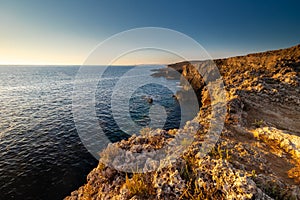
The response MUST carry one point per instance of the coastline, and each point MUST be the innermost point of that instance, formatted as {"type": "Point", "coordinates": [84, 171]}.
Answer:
{"type": "Point", "coordinates": [257, 155]}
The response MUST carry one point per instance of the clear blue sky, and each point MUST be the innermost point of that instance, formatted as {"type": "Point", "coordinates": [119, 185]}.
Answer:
{"type": "Point", "coordinates": [65, 31]}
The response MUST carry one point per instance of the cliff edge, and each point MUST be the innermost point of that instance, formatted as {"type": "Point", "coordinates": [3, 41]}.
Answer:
{"type": "Point", "coordinates": [256, 157]}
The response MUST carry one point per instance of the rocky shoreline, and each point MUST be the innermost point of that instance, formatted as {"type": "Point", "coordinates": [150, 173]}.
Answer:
{"type": "Point", "coordinates": [256, 157]}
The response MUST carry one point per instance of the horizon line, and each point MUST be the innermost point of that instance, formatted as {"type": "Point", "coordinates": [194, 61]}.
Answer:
{"type": "Point", "coordinates": [215, 58]}
{"type": "Point", "coordinates": [93, 65]}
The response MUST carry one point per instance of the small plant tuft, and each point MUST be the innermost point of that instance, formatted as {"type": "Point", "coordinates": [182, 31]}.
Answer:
{"type": "Point", "coordinates": [140, 184]}
{"type": "Point", "coordinates": [258, 123]}
{"type": "Point", "coordinates": [145, 131]}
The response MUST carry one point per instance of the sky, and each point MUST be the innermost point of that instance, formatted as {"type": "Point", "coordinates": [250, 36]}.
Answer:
{"type": "Point", "coordinates": [64, 32]}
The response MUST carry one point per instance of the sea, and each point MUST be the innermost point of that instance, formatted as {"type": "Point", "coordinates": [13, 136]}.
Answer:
{"type": "Point", "coordinates": [41, 153]}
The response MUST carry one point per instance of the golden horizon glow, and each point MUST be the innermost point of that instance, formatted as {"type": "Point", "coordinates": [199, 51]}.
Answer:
{"type": "Point", "coordinates": [79, 60]}
{"type": "Point", "coordinates": [43, 46]}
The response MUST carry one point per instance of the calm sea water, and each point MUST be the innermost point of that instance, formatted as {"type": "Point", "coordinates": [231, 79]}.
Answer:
{"type": "Point", "coordinates": [42, 156]}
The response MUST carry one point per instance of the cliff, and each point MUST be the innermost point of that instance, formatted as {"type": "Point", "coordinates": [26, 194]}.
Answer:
{"type": "Point", "coordinates": [256, 157]}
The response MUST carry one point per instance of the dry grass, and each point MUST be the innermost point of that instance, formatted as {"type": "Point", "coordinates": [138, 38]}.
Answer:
{"type": "Point", "coordinates": [219, 152]}
{"type": "Point", "coordinates": [140, 184]}
{"type": "Point", "coordinates": [189, 174]}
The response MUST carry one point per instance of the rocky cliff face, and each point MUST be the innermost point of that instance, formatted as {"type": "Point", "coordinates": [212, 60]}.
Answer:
{"type": "Point", "coordinates": [256, 157]}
